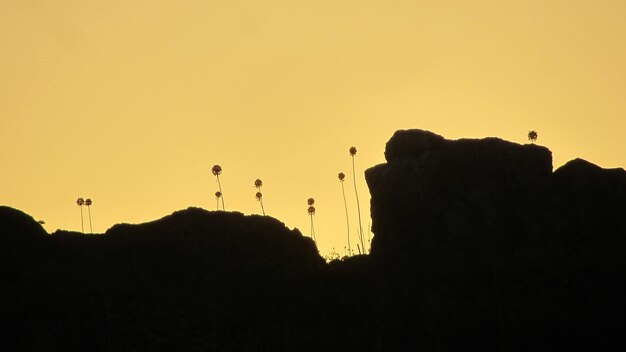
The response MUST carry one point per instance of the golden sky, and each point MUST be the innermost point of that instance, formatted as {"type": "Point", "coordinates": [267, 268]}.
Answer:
{"type": "Point", "coordinates": [130, 103]}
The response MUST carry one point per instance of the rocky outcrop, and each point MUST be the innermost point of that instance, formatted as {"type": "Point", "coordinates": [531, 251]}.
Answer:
{"type": "Point", "coordinates": [434, 192]}
{"type": "Point", "coordinates": [227, 238]}
{"type": "Point", "coordinates": [466, 200]}
{"type": "Point", "coordinates": [489, 246]}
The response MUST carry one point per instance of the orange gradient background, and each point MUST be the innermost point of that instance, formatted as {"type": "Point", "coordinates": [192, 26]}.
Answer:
{"type": "Point", "coordinates": [130, 103]}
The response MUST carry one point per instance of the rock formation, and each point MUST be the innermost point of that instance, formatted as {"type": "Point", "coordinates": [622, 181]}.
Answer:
{"type": "Point", "coordinates": [478, 246]}
{"type": "Point", "coordinates": [489, 245]}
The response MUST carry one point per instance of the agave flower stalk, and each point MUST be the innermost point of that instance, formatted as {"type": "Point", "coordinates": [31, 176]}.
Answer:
{"type": "Point", "coordinates": [217, 171]}
{"type": "Point", "coordinates": [88, 203]}
{"type": "Point", "coordinates": [342, 177]}
{"type": "Point", "coordinates": [259, 197]}
{"type": "Point", "coordinates": [80, 202]}
{"type": "Point", "coordinates": [358, 206]}
{"type": "Point", "coordinates": [311, 211]}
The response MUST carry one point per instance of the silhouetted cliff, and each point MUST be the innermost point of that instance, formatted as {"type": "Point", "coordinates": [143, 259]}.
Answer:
{"type": "Point", "coordinates": [477, 245]}
{"type": "Point", "coordinates": [494, 249]}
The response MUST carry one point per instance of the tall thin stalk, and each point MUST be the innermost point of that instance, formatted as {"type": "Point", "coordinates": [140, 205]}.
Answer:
{"type": "Point", "coordinates": [259, 196]}
{"type": "Point", "coordinates": [358, 205]}
{"type": "Point", "coordinates": [88, 203]}
{"type": "Point", "coordinates": [342, 177]}
{"type": "Point", "coordinates": [80, 202]}
{"type": "Point", "coordinates": [217, 170]}
{"type": "Point", "coordinates": [218, 195]}
{"type": "Point", "coordinates": [313, 227]}
{"type": "Point", "coordinates": [220, 187]}
{"type": "Point", "coordinates": [311, 211]}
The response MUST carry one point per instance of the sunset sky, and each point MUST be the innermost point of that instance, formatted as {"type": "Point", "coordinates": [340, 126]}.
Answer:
{"type": "Point", "coordinates": [130, 103]}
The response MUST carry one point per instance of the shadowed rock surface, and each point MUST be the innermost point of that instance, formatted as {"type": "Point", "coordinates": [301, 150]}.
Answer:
{"type": "Point", "coordinates": [478, 246]}
{"type": "Point", "coordinates": [193, 280]}
{"type": "Point", "coordinates": [493, 251]}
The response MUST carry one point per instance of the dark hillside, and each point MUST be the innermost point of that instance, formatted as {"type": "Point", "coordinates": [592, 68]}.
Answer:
{"type": "Point", "coordinates": [192, 280]}
{"type": "Point", "coordinates": [478, 246]}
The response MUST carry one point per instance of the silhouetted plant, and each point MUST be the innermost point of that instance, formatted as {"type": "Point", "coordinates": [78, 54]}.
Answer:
{"type": "Point", "coordinates": [217, 171]}
{"type": "Point", "coordinates": [311, 211]}
{"type": "Point", "coordinates": [88, 203]}
{"type": "Point", "coordinates": [218, 195]}
{"type": "Point", "coordinates": [532, 136]}
{"type": "Point", "coordinates": [358, 205]}
{"type": "Point", "coordinates": [259, 197]}
{"type": "Point", "coordinates": [332, 256]}
{"type": "Point", "coordinates": [342, 177]}
{"type": "Point", "coordinates": [80, 202]}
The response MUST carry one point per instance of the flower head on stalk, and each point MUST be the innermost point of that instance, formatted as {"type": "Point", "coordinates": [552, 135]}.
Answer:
{"type": "Point", "coordinates": [88, 203]}
{"type": "Point", "coordinates": [342, 178]}
{"type": "Point", "coordinates": [217, 171]}
{"type": "Point", "coordinates": [80, 202]}
{"type": "Point", "coordinates": [356, 193]}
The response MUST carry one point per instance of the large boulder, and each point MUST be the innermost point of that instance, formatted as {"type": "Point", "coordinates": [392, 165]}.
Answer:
{"type": "Point", "coordinates": [434, 192]}
{"type": "Point", "coordinates": [494, 251]}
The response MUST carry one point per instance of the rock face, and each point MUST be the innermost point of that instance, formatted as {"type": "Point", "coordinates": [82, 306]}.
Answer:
{"type": "Point", "coordinates": [434, 195]}
{"type": "Point", "coordinates": [433, 190]}
{"type": "Point", "coordinates": [483, 236]}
